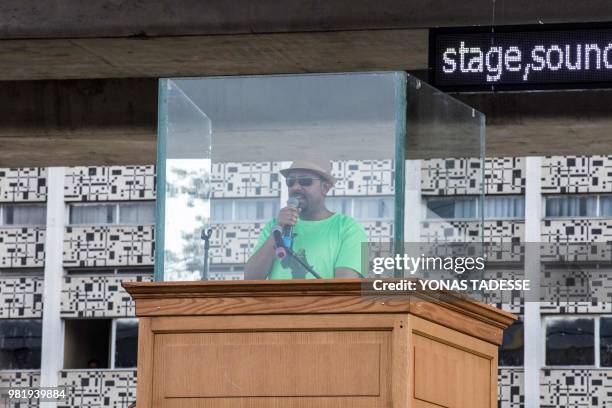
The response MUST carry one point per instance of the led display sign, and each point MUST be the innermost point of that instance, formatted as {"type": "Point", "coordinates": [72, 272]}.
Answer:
{"type": "Point", "coordinates": [521, 57]}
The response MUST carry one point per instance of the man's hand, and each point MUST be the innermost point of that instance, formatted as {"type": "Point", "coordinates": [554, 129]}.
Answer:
{"type": "Point", "coordinates": [287, 216]}
{"type": "Point", "coordinates": [260, 264]}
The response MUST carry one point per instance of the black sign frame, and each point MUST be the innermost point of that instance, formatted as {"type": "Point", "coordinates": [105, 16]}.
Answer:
{"type": "Point", "coordinates": [433, 57]}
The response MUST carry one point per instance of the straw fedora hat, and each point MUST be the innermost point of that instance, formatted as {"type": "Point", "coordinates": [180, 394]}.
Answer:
{"type": "Point", "coordinates": [320, 167]}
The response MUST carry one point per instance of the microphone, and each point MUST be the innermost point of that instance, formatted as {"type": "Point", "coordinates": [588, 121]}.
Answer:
{"type": "Point", "coordinates": [288, 229]}
{"type": "Point", "coordinates": [279, 246]}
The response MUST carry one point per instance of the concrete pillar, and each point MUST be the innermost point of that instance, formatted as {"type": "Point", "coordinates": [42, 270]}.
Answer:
{"type": "Point", "coordinates": [52, 354]}
{"type": "Point", "coordinates": [533, 359]}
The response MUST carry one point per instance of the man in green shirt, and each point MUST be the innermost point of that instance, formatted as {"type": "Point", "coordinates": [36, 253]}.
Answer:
{"type": "Point", "coordinates": [331, 242]}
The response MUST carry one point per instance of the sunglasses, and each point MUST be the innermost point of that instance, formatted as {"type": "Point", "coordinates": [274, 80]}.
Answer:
{"type": "Point", "coordinates": [302, 181]}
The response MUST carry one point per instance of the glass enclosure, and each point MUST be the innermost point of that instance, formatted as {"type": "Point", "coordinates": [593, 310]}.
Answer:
{"type": "Point", "coordinates": [445, 146]}
{"type": "Point", "coordinates": [184, 184]}
{"type": "Point", "coordinates": [232, 151]}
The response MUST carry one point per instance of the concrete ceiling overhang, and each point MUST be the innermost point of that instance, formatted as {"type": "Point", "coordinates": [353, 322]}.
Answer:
{"type": "Point", "coordinates": [240, 54]}
{"type": "Point", "coordinates": [33, 19]}
{"type": "Point", "coordinates": [72, 39]}
{"type": "Point", "coordinates": [113, 121]}
{"type": "Point", "coordinates": [58, 105]}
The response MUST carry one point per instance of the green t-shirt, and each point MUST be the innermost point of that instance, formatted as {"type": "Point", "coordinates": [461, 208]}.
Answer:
{"type": "Point", "coordinates": [334, 242]}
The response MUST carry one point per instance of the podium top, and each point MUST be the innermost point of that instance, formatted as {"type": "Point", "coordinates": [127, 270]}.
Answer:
{"type": "Point", "coordinates": [306, 296]}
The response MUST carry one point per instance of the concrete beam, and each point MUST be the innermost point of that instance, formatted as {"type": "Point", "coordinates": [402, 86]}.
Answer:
{"type": "Point", "coordinates": [247, 54]}
{"type": "Point", "coordinates": [70, 39]}
{"type": "Point", "coordinates": [43, 107]}
{"type": "Point", "coordinates": [113, 121]}
{"type": "Point", "coordinates": [57, 123]}
{"type": "Point", "coordinates": [21, 19]}
{"type": "Point", "coordinates": [545, 123]}
{"type": "Point", "coordinates": [89, 122]}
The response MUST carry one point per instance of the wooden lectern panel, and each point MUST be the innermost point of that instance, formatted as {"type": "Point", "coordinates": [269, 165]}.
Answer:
{"type": "Point", "coordinates": [319, 344]}
{"type": "Point", "coordinates": [290, 364]}
{"type": "Point", "coordinates": [339, 361]}
{"type": "Point", "coordinates": [451, 370]}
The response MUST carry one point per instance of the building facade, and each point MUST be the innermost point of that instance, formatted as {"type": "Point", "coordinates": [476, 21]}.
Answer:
{"type": "Point", "coordinates": [105, 218]}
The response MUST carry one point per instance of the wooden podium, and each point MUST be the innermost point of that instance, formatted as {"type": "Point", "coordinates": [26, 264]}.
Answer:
{"type": "Point", "coordinates": [307, 343]}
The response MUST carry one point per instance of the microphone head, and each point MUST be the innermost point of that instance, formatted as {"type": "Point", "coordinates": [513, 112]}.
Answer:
{"type": "Point", "coordinates": [293, 202]}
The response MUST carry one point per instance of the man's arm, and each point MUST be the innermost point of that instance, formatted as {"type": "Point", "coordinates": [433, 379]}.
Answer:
{"type": "Point", "coordinates": [260, 264]}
